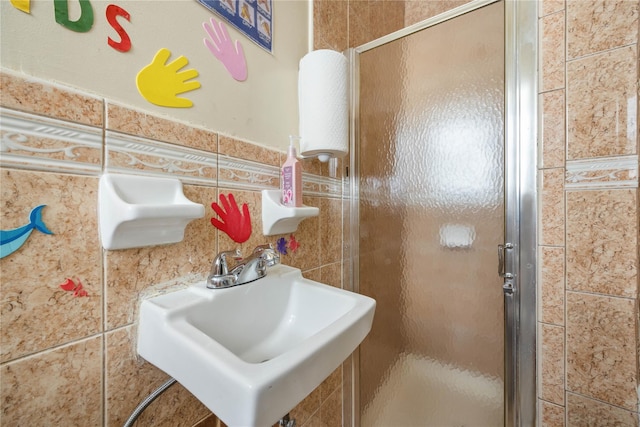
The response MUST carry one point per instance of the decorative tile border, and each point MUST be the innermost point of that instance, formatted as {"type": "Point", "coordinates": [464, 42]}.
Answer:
{"type": "Point", "coordinates": [248, 175]}
{"type": "Point", "coordinates": [39, 143]}
{"type": "Point", "coordinates": [127, 154]}
{"type": "Point", "coordinates": [605, 172]}
{"type": "Point", "coordinates": [245, 174]}
{"type": "Point", "coordinates": [322, 186]}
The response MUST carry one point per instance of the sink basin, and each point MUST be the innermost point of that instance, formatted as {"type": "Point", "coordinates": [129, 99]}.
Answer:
{"type": "Point", "coordinates": [252, 352]}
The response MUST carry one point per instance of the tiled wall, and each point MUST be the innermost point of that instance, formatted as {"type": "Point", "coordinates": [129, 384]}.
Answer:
{"type": "Point", "coordinates": [588, 233]}
{"type": "Point", "coordinates": [71, 360]}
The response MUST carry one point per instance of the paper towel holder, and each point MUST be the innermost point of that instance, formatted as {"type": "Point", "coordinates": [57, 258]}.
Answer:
{"type": "Point", "coordinates": [323, 103]}
{"type": "Point", "coordinates": [324, 157]}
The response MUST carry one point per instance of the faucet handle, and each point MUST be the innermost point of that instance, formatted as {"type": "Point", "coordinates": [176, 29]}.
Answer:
{"type": "Point", "coordinates": [268, 254]}
{"type": "Point", "coordinates": [220, 266]}
{"type": "Point", "coordinates": [261, 248]}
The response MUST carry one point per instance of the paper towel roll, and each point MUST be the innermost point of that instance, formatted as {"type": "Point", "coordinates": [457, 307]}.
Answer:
{"type": "Point", "coordinates": [324, 105]}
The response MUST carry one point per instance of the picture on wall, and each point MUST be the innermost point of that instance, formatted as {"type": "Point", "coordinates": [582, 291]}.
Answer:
{"type": "Point", "coordinates": [253, 18]}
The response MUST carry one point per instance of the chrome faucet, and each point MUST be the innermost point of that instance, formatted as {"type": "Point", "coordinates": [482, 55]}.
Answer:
{"type": "Point", "coordinates": [245, 270]}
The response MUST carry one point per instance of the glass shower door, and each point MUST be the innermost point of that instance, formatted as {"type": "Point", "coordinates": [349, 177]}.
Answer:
{"type": "Point", "coordinates": [431, 206]}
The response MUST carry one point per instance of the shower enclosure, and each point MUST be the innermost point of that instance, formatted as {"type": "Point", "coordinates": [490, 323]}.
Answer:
{"type": "Point", "coordinates": [443, 220]}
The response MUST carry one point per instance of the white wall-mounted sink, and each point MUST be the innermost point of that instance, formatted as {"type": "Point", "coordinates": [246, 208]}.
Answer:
{"type": "Point", "coordinates": [252, 352]}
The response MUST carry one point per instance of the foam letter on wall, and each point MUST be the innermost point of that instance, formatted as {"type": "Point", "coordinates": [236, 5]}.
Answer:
{"type": "Point", "coordinates": [23, 5]}
{"type": "Point", "coordinates": [113, 11]}
{"type": "Point", "coordinates": [83, 24]}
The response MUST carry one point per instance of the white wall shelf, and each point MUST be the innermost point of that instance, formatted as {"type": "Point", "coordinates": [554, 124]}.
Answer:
{"type": "Point", "coordinates": [279, 219]}
{"type": "Point", "coordinates": [137, 211]}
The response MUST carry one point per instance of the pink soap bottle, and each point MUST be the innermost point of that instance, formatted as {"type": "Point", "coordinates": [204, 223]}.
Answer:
{"type": "Point", "coordinates": [291, 178]}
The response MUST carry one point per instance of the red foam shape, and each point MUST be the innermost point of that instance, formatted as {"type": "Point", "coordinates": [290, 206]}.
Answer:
{"type": "Point", "coordinates": [236, 224]}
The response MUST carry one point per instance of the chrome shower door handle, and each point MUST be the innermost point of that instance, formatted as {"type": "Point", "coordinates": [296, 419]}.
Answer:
{"type": "Point", "coordinates": [502, 249]}
{"type": "Point", "coordinates": [507, 286]}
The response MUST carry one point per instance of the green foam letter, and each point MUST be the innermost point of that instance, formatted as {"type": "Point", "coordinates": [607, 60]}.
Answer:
{"type": "Point", "coordinates": [83, 24]}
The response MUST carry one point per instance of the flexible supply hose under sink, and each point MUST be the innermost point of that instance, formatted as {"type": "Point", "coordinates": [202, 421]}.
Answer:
{"type": "Point", "coordinates": [146, 402]}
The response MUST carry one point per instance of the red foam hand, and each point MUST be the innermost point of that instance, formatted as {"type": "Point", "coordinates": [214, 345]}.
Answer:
{"type": "Point", "coordinates": [236, 224]}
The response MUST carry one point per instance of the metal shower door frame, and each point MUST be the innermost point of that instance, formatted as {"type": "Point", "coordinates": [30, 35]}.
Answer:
{"type": "Point", "coordinates": [521, 35]}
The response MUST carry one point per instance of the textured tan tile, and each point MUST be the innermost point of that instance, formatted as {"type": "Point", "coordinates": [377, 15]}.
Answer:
{"type": "Point", "coordinates": [210, 421]}
{"type": "Point", "coordinates": [132, 122]}
{"type": "Point", "coordinates": [602, 242]}
{"type": "Point", "coordinates": [553, 129]}
{"type": "Point", "coordinates": [551, 52]}
{"type": "Point", "coordinates": [348, 369]}
{"type": "Point", "coordinates": [551, 225]}
{"type": "Point", "coordinates": [129, 380]}
{"type": "Point", "coordinates": [385, 17]}
{"type": "Point", "coordinates": [331, 274]}
{"type": "Point", "coordinates": [601, 348]}
{"type": "Point", "coordinates": [601, 104]}
{"type": "Point", "coordinates": [551, 283]}
{"type": "Point", "coordinates": [584, 412]}
{"type": "Point", "coordinates": [245, 150]}
{"type": "Point", "coordinates": [24, 94]}
{"type": "Point", "coordinates": [394, 15]}
{"type": "Point", "coordinates": [359, 31]}
{"type": "Point", "coordinates": [598, 25]}
{"type": "Point", "coordinates": [62, 387]}
{"type": "Point", "coordinates": [37, 314]}
{"type": "Point", "coordinates": [547, 7]}
{"type": "Point", "coordinates": [419, 10]}
{"type": "Point", "coordinates": [313, 274]}
{"type": "Point", "coordinates": [551, 358]}
{"type": "Point", "coordinates": [129, 271]}
{"type": "Point", "coordinates": [331, 384]}
{"type": "Point", "coordinates": [330, 230]}
{"type": "Point", "coordinates": [377, 24]}
{"type": "Point", "coordinates": [312, 166]}
{"type": "Point", "coordinates": [550, 415]}
{"type": "Point", "coordinates": [331, 410]}
{"type": "Point", "coordinates": [306, 408]}
{"type": "Point", "coordinates": [330, 22]}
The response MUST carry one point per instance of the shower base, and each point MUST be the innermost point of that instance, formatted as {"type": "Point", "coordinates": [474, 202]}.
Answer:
{"type": "Point", "coordinates": [422, 392]}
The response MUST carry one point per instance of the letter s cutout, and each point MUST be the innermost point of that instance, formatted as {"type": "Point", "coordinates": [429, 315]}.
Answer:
{"type": "Point", "coordinates": [113, 11]}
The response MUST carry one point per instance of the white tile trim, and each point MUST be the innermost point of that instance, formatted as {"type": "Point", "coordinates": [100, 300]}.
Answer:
{"type": "Point", "coordinates": [606, 172]}
{"type": "Point", "coordinates": [16, 127]}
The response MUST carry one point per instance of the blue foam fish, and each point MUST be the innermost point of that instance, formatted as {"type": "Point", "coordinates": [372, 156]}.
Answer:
{"type": "Point", "coordinates": [12, 240]}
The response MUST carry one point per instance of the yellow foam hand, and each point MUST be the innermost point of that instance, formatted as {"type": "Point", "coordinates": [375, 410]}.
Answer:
{"type": "Point", "coordinates": [160, 83]}
{"type": "Point", "coordinates": [23, 5]}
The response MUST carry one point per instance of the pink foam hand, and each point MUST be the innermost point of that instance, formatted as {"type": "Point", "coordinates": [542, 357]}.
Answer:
{"type": "Point", "coordinates": [220, 45]}
{"type": "Point", "coordinates": [236, 224]}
